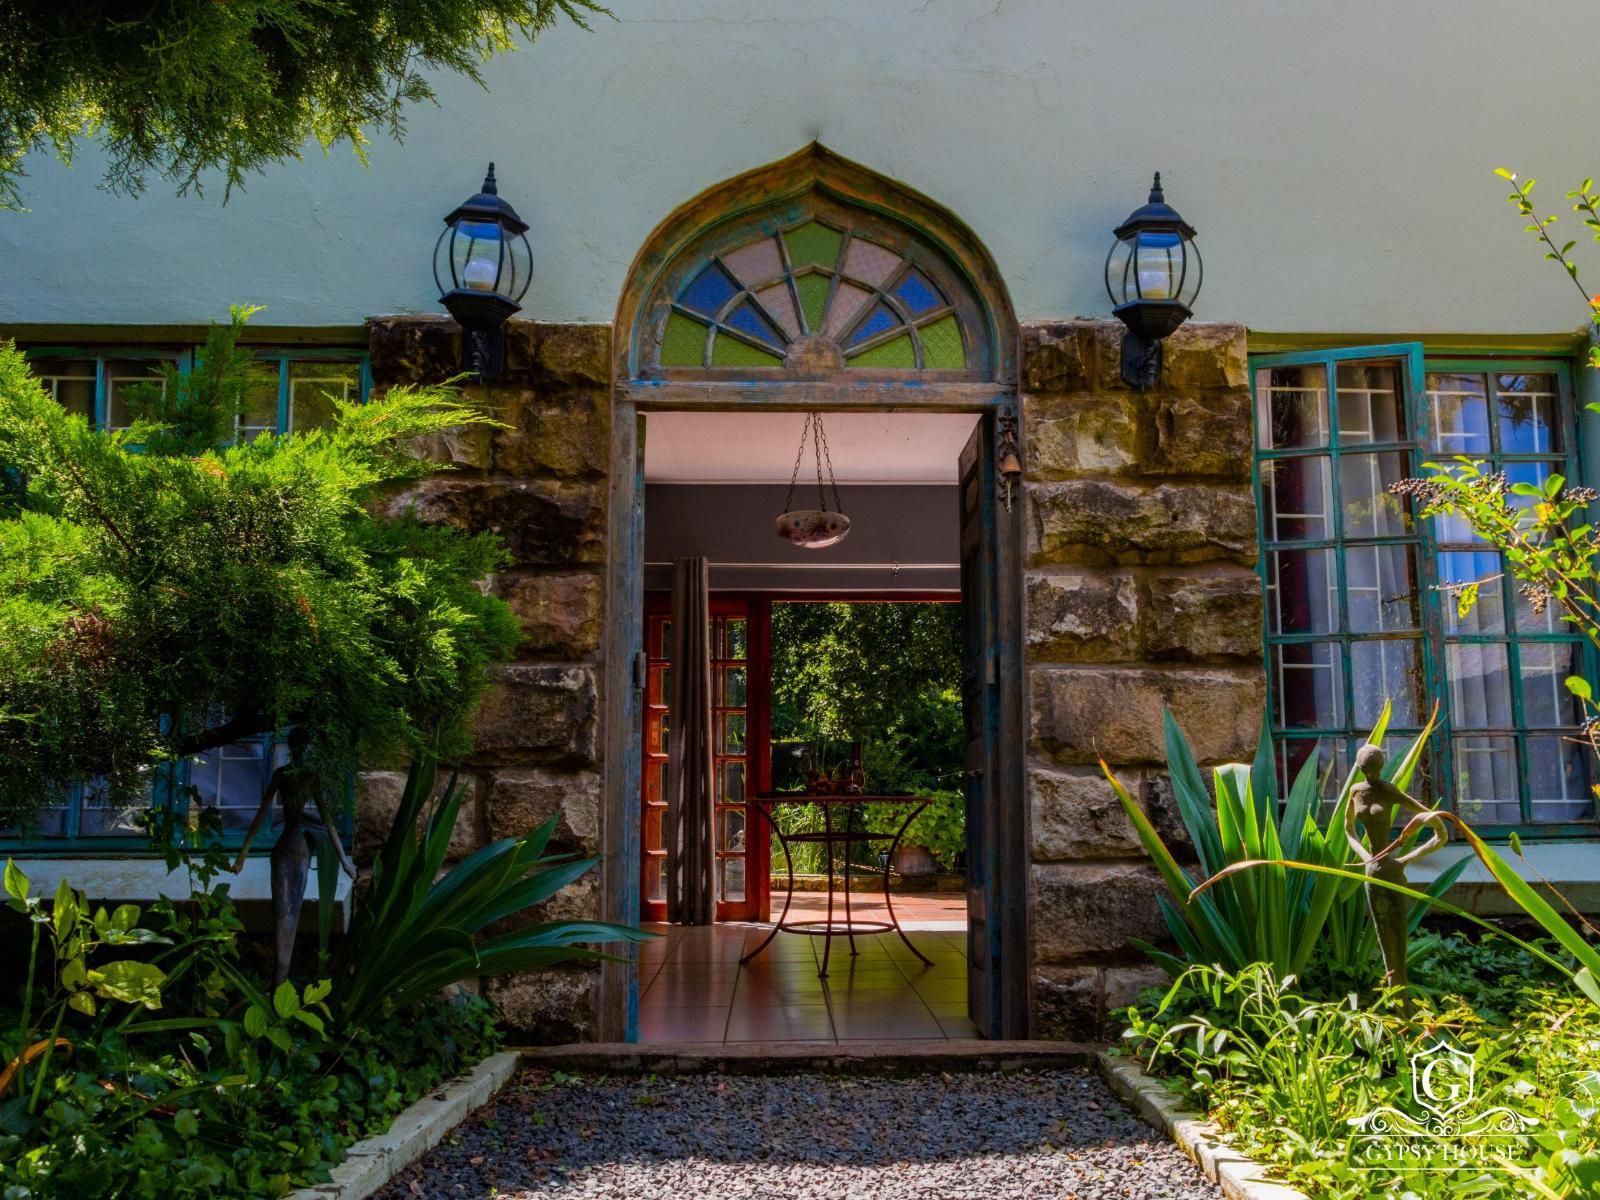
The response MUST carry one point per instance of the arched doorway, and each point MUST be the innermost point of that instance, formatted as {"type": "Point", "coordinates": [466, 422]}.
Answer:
{"type": "Point", "coordinates": [816, 285]}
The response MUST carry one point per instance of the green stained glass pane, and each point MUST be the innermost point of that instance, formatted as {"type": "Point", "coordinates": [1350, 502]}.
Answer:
{"type": "Point", "coordinates": [684, 342]}
{"type": "Point", "coordinates": [730, 352]}
{"type": "Point", "coordinates": [941, 345]}
{"type": "Point", "coordinates": [813, 291]}
{"type": "Point", "coordinates": [897, 353]}
{"type": "Point", "coordinates": [813, 244]}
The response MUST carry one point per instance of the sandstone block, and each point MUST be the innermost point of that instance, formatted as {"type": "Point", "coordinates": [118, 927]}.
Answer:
{"type": "Point", "coordinates": [378, 801]}
{"type": "Point", "coordinates": [1067, 1003]}
{"type": "Point", "coordinates": [1085, 434]}
{"type": "Point", "coordinates": [1058, 356]}
{"type": "Point", "coordinates": [1082, 714]}
{"type": "Point", "coordinates": [1123, 985]}
{"type": "Point", "coordinates": [1076, 815]}
{"type": "Point", "coordinates": [548, 1007]}
{"type": "Point", "coordinates": [1093, 908]}
{"type": "Point", "coordinates": [1098, 521]}
{"type": "Point", "coordinates": [1206, 433]}
{"type": "Point", "coordinates": [519, 801]}
{"type": "Point", "coordinates": [1200, 356]}
{"type": "Point", "coordinates": [542, 714]}
{"type": "Point", "coordinates": [541, 522]}
{"type": "Point", "coordinates": [1215, 613]}
{"type": "Point", "coordinates": [560, 615]}
{"type": "Point", "coordinates": [413, 349]}
{"type": "Point", "coordinates": [554, 432]}
{"type": "Point", "coordinates": [1083, 617]}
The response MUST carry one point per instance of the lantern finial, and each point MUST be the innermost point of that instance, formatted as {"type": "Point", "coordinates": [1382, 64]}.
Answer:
{"type": "Point", "coordinates": [1155, 188]}
{"type": "Point", "coordinates": [490, 189]}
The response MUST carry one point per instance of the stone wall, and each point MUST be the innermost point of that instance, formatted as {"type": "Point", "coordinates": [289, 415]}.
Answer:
{"type": "Point", "coordinates": [1140, 592]}
{"type": "Point", "coordinates": [540, 483]}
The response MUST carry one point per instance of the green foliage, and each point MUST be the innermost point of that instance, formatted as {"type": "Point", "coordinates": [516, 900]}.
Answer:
{"type": "Point", "coordinates": [191, 412]}
{"type": "Point", "coordinates": [156, 605]}
{"type": "Point", "coordinates": [886, 676]}
{"type": "Point", "coordinates": [192, 86]}
{"type": "Point", "coordinates": [414, 930]}
{"type": "Point", "coordinates": [1289, 1072]}
{"type": "Point", "coordinates": [228, 1091]}
{"type": "Point", "coordinates": [1281, 914]}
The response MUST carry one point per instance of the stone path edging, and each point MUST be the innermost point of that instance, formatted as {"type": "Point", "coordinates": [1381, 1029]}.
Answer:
{"type": "Point", "coordinates": [906, 1056]}
{"type": "Point", "coordinates": [1239, 1177]}
{"type": "Point", "coordinates": [374, 1161]}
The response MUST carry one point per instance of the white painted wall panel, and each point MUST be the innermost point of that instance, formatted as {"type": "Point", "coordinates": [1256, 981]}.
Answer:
{"type": "Point", "coordinates": [1335, 157]}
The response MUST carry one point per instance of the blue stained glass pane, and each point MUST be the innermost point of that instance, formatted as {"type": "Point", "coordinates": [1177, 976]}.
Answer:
{"type": "Point", "coordinates": [710, 290]}
{"type": "Point", "coordinates": [917, 294]}
{"type": "Point", "coordinates": [878, 321]}
{"type": "Point", "coordinates": [747, 320]}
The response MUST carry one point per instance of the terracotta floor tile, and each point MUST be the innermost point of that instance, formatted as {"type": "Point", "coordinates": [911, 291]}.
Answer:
{"type": "Point", "coordinates": [796, 1023]}
{"type": "Point", "coordinates": [706, 1024]}
{"type": "Point", "coordinates": [687, 993]}
{"type": "Point", "coordinates": [853, 1027]}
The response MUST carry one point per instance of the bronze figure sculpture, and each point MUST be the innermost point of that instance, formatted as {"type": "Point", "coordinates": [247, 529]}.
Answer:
{"type": "Point", "coordinates": [1373, 801]}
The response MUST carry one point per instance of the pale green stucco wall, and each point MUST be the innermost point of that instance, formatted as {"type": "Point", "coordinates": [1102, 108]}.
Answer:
{"type": "Point", "coordinates": [1335, 156]}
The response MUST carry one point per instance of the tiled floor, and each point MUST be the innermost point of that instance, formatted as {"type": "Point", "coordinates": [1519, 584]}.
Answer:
{"type": "Point", "coordinates": [694, 990]}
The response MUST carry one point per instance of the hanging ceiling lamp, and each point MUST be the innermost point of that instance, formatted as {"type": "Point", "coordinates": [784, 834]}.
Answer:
{"type": "Point", "coordinates": [814, 528]}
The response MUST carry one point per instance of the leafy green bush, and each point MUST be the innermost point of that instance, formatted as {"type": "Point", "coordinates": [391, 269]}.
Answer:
{"type": "Point", "coordinates": [1289, 1073]}
{"type": "Point", "coordinates": [175, 1074]}
{"type": "Point", "coordinates": [1279, 915]}
{"type": "Point", "coordinates": [414, 930]}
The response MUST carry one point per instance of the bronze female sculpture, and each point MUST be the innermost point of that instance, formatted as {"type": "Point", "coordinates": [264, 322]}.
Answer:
{"type": "Point", "coordinates": [1373, 802]}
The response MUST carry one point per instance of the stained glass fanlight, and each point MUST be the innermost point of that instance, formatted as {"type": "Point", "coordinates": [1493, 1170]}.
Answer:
{"type": "Point", "coordinates": [814, 296]}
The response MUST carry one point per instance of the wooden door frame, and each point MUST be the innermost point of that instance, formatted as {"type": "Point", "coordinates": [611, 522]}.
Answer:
{"type": "Point", "coordinates": [624, 643]}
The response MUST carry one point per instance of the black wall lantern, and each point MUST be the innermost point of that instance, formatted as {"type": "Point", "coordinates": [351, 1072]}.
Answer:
{"type": "Point", "coordinates": [1152, 276]}
{"type": "Point", "coordinates": [484, 254]}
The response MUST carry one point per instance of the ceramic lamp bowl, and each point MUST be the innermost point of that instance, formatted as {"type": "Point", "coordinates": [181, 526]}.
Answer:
{"type": "Point", "coordinates": [812, 529]}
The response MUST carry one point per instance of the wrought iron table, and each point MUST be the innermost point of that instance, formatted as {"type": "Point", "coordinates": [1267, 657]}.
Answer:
{"type": "Point", "coordinates": [829, 928]}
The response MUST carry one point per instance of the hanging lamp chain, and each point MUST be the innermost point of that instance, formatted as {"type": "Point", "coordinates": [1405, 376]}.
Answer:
{"type": "Point", "coordinates": [824, 459]}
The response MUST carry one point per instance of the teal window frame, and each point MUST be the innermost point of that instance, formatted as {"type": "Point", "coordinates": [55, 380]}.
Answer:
{"type": "Point", "coordinates": [1416, 365]}
{"type": "Point", "coordinates": [171, 782]}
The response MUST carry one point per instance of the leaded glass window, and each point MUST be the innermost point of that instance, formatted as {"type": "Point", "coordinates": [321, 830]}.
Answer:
{"type": "Point", "coordinates": [823, 291]}
{"type": "Point", "coordinates": [1359, 603]}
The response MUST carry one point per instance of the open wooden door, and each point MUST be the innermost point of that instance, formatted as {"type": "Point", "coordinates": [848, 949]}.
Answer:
{"type": "Point", "coordinates": [996, 859]}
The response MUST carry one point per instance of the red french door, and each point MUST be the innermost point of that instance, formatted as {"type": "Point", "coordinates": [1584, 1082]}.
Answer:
{"type": "Point", "coordinates": [740, 682]}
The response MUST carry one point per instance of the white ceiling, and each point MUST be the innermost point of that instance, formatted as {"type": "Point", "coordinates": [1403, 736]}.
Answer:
{"type": "Point", "coordinates": [717, 447]}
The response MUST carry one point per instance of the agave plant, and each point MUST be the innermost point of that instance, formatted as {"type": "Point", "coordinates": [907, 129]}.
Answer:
{"type": "Point", "coordinates": [416, 931]}
{"type": "Point", "coordinates": [1277, 914]}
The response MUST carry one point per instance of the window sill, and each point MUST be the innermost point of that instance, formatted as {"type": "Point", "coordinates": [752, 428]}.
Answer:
{"type": "Point", "coordinates": [1572, 867]}
{"type": "Point", "coordinates": [143, 880]}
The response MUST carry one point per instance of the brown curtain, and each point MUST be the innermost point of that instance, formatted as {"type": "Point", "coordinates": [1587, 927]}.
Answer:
{"type": "Point", "coordinates": [691, 896]}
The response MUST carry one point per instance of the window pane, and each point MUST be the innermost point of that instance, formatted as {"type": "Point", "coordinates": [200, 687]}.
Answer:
{"type": "Point", "coordinates": [1529, 413]}
{"type": "Point", "coordinates": [731, 830]}
{"type": "Point", "coordinates": [1333, 764]}
{"type": "Point", "coordinates": [1480, 685]}
{"type": "Point", "coordinates": [733, 687]}
{"type": "Point", "coordinates": [70, 381]}
{"type": "Point", "coordinates": [313, 389]}
{"type": "Point", "coordinates": [1302, 591]}
{"type": "Point", "coordinates": [1298, 498]}
{"type": "Point", "coordinates": [1369, 404]}
{"type": "Point", "coordinates": [1292, 403]}
{"type": "Point", "coordinates": [1534, 473]}
{"type": "Point", "coordinates": [1386, 671]}
{"type": "Point", "coordinates": [655, 781]}
{"type": "Point", "coordinates": [1369, 510]}
{"type": "Point", "coordinates": [260, 412]}
{"type": "Point", "coordinates": [654, 815]}
{"type": "Point", "coordinates": [737, 635]}
{"type": "Point", "coordinates": [232, 780]}
{"type": "Point", "coordinates": [1487, 615]}
{"type": "Point", "coordinates": [1458, 410]}
{"type": "Point", "coordinates": [732, 733]}
{"type": "Point", "coordinates": [123, 377]}
{"type": "Point", "coordinates": [1544, 666]}
{"type": "Point", "coordinates": [1310, 686]}
{"type": "Point", "coordinates": [658, 878]}
{"type": "Point", "coordinates": [1486, 780]}
{"type": "Point", "coordinates": [1380, 583]}
{"type": "Point", "coordinates": [732, 783]}
{"type": "Point", "coordinates": [99, 817]}
{"type": "Point", "coordinates": [1558, 778]}
{"type": "Point", "coordinates": [733, 878]}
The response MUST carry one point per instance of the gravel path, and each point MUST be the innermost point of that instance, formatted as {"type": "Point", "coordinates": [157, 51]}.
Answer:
{"type": "Point", "coordinates": [1032, 1134]}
